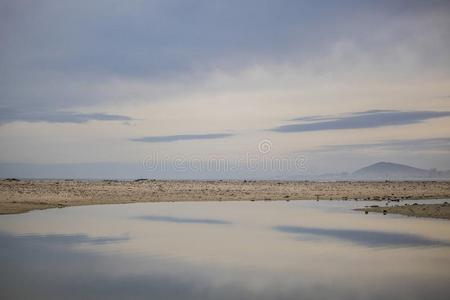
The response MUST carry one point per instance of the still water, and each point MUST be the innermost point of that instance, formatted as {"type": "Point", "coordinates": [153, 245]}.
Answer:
{"type": "Point", "coordinates": [223, 250]}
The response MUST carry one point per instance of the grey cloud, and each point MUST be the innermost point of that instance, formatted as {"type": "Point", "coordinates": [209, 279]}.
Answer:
{"type": "Point", "coordinates": [314, 118]}
{"type": "Point", "coordinates": [7, 115]}
{"type": "Point", "coordinates": [53, 51]}
{"type": "Point", "coordinates": [412, 145]}
{"type": "Point", "coordinates": [335, 117]}
{"type": "Point", "coordinates": [374, 111]}
{"type": "Point", "coordinates": [181, 137]}
{"type": "Point", "coordinates": [367, 119]}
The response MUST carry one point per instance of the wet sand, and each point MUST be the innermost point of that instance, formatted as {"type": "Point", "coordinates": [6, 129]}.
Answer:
{"type": "Point", "coordinates": [25, 195]}
{"type": "Point", "coordinates": [441, 211]}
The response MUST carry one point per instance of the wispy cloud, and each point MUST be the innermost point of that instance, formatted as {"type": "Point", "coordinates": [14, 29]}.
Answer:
{"type": "Point", "coordinates": [181, 137]}
{"type": "Point", "coordinates": [358, 120]}
{"type": "Point", "coordinates": [7, 116]}
{"type": "Point", "coordinates": [432, 144]}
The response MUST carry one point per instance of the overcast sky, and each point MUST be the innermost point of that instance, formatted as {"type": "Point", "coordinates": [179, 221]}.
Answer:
{"type": "Point", "coordinates": [117, 84]}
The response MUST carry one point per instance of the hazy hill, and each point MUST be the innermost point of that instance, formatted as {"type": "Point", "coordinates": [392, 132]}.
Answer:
{"type": "Point", "coordinates": [388, 170]}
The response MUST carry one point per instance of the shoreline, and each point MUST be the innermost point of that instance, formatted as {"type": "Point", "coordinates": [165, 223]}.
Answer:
{"type": "Point", "coordinates": [439, 211]}
{"type": "Point", "coordinates": [19, 196]}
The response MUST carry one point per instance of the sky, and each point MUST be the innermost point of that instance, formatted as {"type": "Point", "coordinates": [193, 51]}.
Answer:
{"type": "Point", "coordinates": [222, 89]}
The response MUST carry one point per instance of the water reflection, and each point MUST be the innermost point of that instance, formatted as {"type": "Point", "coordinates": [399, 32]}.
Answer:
{"type": "Point", "coordinates": [69, 239]}
{"type": "Point", "coordinates": [36, 269]}
{"type": "Point", "coordinates": [184, 251]}
{"type": "Point", "coordinates": [182, 220]}
{"type": "Point", "coordinates": [363, 237]}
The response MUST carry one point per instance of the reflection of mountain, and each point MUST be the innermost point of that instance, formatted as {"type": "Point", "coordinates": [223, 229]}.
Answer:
{"type": "Point", "coordinates": [387, 170]}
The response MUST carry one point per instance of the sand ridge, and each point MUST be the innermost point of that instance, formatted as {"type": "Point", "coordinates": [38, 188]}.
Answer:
{"type": "Point", "coordinates": [18, 196]}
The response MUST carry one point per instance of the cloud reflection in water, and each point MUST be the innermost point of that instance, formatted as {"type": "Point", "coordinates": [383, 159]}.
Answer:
{"type": "Point", "coordinates": [367, 238]}
{"type": "Point", "coordinates": [155, 218]}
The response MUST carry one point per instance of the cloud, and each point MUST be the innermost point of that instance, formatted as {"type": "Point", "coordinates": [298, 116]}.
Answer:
{"type": "Point", "coordinates": [430, 144]}
{"type": "Point", "coordinates": [55, 53]}
{"type": "Point", "coordinates": [366, 119]}
{"type": "Point", "coordinates": [334, 117]}
{"type": "Point", "coordinates": [181, 137]}
{"type": "Point", "coordinates": [7, 116]}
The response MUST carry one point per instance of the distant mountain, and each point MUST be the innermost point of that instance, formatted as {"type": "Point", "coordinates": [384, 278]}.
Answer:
{"type": "Point", "coordinates": [385, 171]}
{"type": "Point", "coordinates": [388, 170]}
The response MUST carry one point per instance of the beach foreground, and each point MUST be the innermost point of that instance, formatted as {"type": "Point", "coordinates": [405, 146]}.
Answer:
{"type": "Point", "coordinates": [18, 196]}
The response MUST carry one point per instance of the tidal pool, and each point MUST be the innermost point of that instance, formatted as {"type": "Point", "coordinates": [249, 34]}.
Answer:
{"type": "Point", "coordinates": [223, 250]}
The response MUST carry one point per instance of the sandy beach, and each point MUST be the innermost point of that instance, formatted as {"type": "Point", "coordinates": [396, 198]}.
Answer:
{"type": "Point", "coordinates": [18, 196]}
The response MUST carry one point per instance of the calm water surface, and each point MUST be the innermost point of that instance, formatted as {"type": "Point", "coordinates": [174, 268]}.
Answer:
{"type": "Point", "coordinates": [223, 250]}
